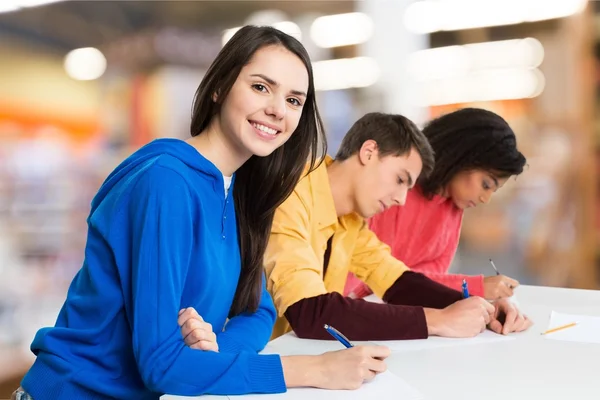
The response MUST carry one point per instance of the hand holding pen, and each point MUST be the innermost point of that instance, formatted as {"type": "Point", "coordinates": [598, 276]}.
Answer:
{"type": "Point", "coordinates": [372, 356]}
{"type": "Point", "coordinates": [466, 318]}
{"type": "Point", "coordinates": [498, 286]}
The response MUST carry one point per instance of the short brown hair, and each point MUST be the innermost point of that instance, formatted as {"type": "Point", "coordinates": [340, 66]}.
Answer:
{"type": "Point", "coordinates": [394, 134]}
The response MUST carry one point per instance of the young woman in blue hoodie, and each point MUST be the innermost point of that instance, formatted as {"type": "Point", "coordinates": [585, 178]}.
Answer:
{"type": "Point", "coordinates": [184, 224]}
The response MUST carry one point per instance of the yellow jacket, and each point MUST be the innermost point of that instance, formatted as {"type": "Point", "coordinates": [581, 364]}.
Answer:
{"type": "Point", "coordinates": [294, 257]}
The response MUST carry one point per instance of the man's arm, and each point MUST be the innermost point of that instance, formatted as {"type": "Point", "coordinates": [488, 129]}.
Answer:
{"type": "Point", "coordinates": [414, 289]}
{"type": "Point", "coordinates": [293, 270]}
{"type": "Point", "coordinates": [295, 279]}
{"type": "Point", "coordinates": [454, 281]}
{"type": "Point", "coordinates": [391, 280]}
{"type": "Point", "coordinates": [357, 319]}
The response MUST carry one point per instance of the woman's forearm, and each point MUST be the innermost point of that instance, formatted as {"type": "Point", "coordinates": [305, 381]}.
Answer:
{"type": "Point", "coordinates": [299, 371]}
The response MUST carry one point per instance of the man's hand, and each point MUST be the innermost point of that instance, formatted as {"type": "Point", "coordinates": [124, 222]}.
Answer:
{"type": "Point", "coordinates": [465, 318]}
{"type": "Point", "coordinates": [507, 318]}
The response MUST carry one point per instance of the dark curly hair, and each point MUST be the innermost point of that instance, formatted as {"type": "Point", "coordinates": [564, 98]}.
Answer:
{"type": "Point", "coordinates": [468, 139]}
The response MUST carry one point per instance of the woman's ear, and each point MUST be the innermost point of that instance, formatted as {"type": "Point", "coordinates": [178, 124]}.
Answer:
{"type": "Point", "coordinates": [215, 96]}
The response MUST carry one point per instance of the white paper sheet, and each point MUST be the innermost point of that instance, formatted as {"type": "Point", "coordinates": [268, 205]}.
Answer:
{"type": "Point", "coordinates": [587, 329]}
{"type": "Point", "coordinates": [385, 386]}
{"type": "Point", "coordinates": [436, 342]}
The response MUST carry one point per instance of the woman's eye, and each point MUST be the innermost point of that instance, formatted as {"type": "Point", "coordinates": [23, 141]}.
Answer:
{"type": "Point", "coordinates": [259, 87]}
{"type": "Point", "coordinates": [486, 186]}
{"type": "Point", "coordinates": [400, 181]}
{"type": "Point", "coordinates": [295, 102]}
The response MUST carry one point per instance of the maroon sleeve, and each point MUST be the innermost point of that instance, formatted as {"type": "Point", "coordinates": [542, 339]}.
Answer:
{"type": "Point", "coordinates": [356, 319]}
{"type": "Point", "coordinates": [414, 289]}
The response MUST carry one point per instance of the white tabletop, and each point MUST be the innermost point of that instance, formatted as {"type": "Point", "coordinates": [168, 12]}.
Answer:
{"type": "Point", "coordinates": [529, 367]}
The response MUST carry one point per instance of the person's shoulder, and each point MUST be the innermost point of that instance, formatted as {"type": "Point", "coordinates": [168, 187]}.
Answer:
{"type": "Point", "coordinates": [416, 194]}
{"type": "Point", "coordinates": [388, 213]}
{"type": "Point", "coordinates": [165, 173]}
{"type": "Point", "coordinates": [304, 186]}
{"type": "Point", "coordinates": [309, 181]}
{"type": "Point", "coordinates": [314, 176]}
{"type": "Point", "coordinates": [170, 165]}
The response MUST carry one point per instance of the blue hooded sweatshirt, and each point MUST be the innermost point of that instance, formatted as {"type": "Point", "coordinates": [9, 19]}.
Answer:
{"type": "Point", "coordinates": [162, 236]}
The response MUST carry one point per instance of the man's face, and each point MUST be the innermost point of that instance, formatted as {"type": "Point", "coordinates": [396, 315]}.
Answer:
{"type": "Point", "coordinates": [384, 181]}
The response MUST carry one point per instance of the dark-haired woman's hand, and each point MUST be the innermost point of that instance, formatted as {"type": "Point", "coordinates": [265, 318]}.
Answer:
{"type": "Point", "coordinates": [196, 332]}
{"type": "Point", "coordinates": [498, 286]}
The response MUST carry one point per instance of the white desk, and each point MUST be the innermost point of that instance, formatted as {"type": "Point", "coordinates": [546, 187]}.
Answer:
{"type": "Point", "coordinates": [530, 367]}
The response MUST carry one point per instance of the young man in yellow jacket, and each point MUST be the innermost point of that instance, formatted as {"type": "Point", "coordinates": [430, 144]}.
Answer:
{"type": "Point", "coordinates": [319, 234]}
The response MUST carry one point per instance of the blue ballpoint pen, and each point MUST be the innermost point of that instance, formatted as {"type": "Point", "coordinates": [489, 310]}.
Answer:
{"type": "Point", "coordinates": [465, 289]}
{"type": "Point", "coordinates": [338, 336]}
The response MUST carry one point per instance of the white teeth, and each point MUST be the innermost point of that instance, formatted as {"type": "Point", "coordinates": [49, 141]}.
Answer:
{"type": "Point", "coordinates": [265, 129]}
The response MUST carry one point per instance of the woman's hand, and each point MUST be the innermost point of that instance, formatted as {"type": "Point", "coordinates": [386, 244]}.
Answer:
{"type": "Point", "coordinates": [196, 332]}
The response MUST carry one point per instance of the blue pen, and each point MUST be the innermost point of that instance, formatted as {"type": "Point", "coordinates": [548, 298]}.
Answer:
{"type": "Point", "coordinates": [338, 336]}
{"type": "Point", "coordinates": [465, 289]}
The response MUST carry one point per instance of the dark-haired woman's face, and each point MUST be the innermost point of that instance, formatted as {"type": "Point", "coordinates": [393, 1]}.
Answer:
{"type": "Point", "coordinates": [264, 105]}
{"type": "Point", "coordinates": [470, 188]}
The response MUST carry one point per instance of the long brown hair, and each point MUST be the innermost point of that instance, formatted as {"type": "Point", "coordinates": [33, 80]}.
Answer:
{"type": "Point", "coordinates": [261, 183]}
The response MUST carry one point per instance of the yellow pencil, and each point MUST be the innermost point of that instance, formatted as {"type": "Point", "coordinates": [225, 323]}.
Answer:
{"type": "Point", "coordinates": [559, 328]}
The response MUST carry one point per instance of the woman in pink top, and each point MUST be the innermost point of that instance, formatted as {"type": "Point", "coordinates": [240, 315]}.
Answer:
{"type": "Point", "coordinates": [476, 153]}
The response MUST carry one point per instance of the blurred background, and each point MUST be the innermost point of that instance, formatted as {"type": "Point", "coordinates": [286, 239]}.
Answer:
{"type": "Point", "coordinates": [85, 83]}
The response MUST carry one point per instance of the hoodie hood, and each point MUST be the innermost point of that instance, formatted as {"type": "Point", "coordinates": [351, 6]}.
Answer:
{"type": "Point", "coordinates": [176, 148]}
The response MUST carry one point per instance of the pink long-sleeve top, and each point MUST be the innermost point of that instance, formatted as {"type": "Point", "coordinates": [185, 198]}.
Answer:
{"type": "Point", "coordinates": [424, 235]}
